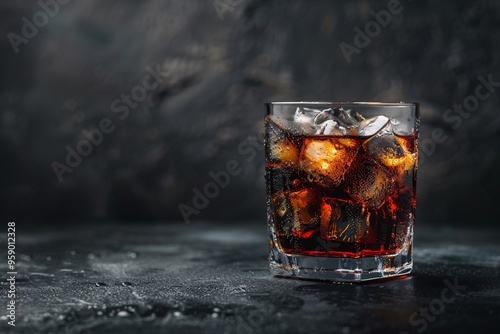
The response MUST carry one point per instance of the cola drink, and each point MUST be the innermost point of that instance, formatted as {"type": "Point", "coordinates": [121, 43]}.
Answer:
{"type": "Point", "coordinates": [340, 185]}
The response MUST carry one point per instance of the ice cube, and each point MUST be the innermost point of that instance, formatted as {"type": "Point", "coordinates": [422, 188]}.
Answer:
{"type": "Point", "coordinates": [371, 126]}
{"type": "Point", "coordinates": [315, 121]}
{"type": "Point", "coordinates": [283, 213]}
{"type": "Point", "coordinates": [305, 115]}
{"type": "Point", "coordinates": [281, 179]}
{"type": "Point", "coordinates": [349, 117]}
{"type": "Point", "coordinates": [368, 182]}
{"type": "Point", "coordinates": [280, 147]}
{"type": "Point", "coordinates": [330, 121]}
{"type": "Point", "coordinates": [346, 221]}
{"type": "Point", "coordinates": [403, 127]}
{"type": "Point", "coordinates": [324, 115]}
{"type": "Point", "coordinates": [327, 159]}
{"type": "Point", "coordinates": [297, 211]}
{"type": "Point", "coordinates": [390, 151]}
{"type": "Point", "coordinates": [300, 127]}
{"type": "Point", "coordinates": [331, 128]}
{"type": "Point", "coordinates": [305, 204]}
{"type": "Point", "coordinates": [337, 122]}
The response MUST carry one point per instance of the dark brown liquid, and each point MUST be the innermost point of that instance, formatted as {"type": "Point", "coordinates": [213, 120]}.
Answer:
{"type": "Point", "coordinates": [340, 196]}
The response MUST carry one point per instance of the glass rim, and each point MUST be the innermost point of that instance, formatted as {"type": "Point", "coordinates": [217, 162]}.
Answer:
{"type": "Point", "coordinates": [374, 103]}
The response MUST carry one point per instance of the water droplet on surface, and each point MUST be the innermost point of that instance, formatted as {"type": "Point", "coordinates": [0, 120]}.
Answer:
{"type": "Point", "coordinates": [41, 274]}
{"type": "Point", "coordinates": [177, 314]}
{"type": "Point", "coordinates": [122, 314]}
{"type": "Point", "coordinates": [127, 284]}
{"type": "Point", "coordinates": [100, 284]}
{"type": "Point", "coordinates": [133, 255]}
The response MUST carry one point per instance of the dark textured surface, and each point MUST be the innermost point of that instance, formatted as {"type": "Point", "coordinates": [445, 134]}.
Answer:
{"type": "Point", "coordinates": [220, 72]}
{"type": "Point", "coordinates": [212, 278]}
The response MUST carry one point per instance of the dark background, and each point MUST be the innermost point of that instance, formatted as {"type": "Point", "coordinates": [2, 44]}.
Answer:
{"type": "Point", "coordinates": [221, 71]}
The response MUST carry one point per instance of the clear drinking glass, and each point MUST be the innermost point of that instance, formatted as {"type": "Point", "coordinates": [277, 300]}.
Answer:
{"type": "Point", "coordinates": [341, 188]}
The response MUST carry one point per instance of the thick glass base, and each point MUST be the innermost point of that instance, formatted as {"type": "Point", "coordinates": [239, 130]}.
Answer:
{"type": "Point", "coordinates": [341, 268]}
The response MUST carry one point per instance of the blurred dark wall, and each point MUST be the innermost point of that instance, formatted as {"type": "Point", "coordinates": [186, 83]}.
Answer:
{"type": "Point", "coordinates": [222, 64]}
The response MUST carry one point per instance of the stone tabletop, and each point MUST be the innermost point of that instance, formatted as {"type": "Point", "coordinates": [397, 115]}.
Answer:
{"type": "Point", "coordinates": [214, 278]}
